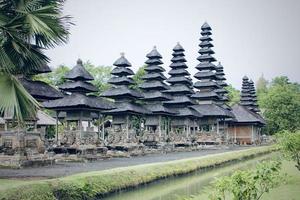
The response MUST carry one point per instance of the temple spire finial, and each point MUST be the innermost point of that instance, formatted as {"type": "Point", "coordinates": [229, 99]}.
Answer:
{"type": "Point", "coordinates": [122, 54]}
{"type": "Point", "coordinates": [79, 61]}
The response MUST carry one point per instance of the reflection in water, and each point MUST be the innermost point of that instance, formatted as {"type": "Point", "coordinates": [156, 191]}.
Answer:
{"type": "Point", "coordinates": [183, 186]}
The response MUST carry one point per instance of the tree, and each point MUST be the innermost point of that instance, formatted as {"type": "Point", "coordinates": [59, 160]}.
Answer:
{"type": "Point", "coordinates": [248, 184]}
{"type": "Point", "coordinates": [26, 28]}
{"type": "Point", "coordinates": [233, 95]}
{"type": "Point", "coordinates": [54, 78]}
{"type": "Point", "coordinates": [281, 106]}
{"type": "Point", "coordinates": [137, 78]}
{"type": "Point", "coordinates": [289, 143]}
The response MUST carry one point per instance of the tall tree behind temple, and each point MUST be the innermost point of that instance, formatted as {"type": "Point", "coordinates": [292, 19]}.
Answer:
{"type": "Point", "coordinates": [21, 48]}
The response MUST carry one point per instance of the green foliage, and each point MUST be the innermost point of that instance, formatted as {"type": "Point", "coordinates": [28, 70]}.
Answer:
{"type": "Point", "coordinates": [50, 132]}
{"type": "Point", "coordinates": [26, 29]}
{"type": "Point", "coordinates": [137, 78]}
{"type": "Point", "coordinates": [233, 95]}
{"type": "Point", "coordinates": [91, 184]}
{"type": "Point", "coordinates": [289, 143]}
{"type": "Point", "coordinates": [55, 78]}
{"type": "Point", "coordinates": [101, 75]}
{"type": "Point", "coordinates": [249, 184]}
{"type": "Point", "coordinates": [281, 106]}
{"type": "Point", "coordinates": [14, 99]}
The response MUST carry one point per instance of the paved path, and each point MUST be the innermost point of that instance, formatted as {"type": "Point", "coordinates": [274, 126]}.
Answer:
{"type": "Point", "coordinates": [63, 169]}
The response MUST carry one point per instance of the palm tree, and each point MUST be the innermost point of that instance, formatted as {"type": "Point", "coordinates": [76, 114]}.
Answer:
{"type": "Point", "coordinates": [27, 28]}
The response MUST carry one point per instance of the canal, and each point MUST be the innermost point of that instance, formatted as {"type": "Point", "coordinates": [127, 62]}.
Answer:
{"type": "Point", "coordinates": [181, 187]}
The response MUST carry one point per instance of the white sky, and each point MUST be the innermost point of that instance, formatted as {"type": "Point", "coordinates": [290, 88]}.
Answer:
{"type": "Point", "coordinates": [251, 37]}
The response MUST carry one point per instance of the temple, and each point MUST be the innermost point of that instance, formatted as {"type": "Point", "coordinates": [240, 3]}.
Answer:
{"type": "Point", "coordinates": [210, 95]}
{"type": "Point", "coordinates": [245, 128]}
{"type": "Point", "coordinates": [127, 111]}
{"type": "Point", "coordinates": [184, 123]}
{"type": "Point", "coordinates": [80, 109]}
{"type": "Point", "coordinates": [154, 87]}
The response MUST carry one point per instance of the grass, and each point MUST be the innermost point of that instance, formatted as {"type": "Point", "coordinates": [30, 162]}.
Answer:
{"type": "Point", "coordinates": [94, 184]}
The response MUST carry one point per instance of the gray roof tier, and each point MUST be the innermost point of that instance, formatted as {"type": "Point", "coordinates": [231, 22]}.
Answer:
{"type": "Point", "coordinates": [178, 47]}
{"type": "Point", "coordinates": [205, 74]}
{"type": "Point", "coordinates": [243, 115]}
{"type": "Point", "coordinates": [212, 110]}
{"type": "Point", "coordinates": [123, 80]}
{"type": "Point", "coordinates": [78, 86]}
{"type": "Point", "coordinates": [153, 61]}
{"type": "Point", "coordinates": [182, 72]}
{"type": "Point", "coordinates": [159, 109]}
{"type": "Point", "coordinates": [188, 112]}
{"type": "Point", "coordinates": [206, 51]}
{"type": "Point", "coordinates": [154, 68]}
{"type": "Point", "coordinates": [178, 65]}
{"type": "Point", "coordinates": [79, 101]}
{"type": "Point", "coordinates": [156, 96]}
{"type": "Point", "coordinates": [221, 91]}
{"type": "Point", "coordinates": [205, 44]}
{"type": "Point", "coordinates": [179, 79]}
{"type": "Point", "coordinates": [122, 62]}
{"type": "Point", "coordinates": [205, 38]}
{"type": "Point", "coordinates": [122, 71]}
{"type": "Point", "coordinates": [121, 92]}
{"type": "Point", "coordinates": [153, 85]}
{"type": "Point", "coordinates": [179, 89]}
{"type": "Point", "coordinates": [128, 108]}
{"type": "Point", "coordinates": [206, 84]}
{"type": "Point", "coordinates": [208, 58]}
{"type": "Point", "coordinates": [40, 90]}
{"type": "Point", "coordinates": [206, 32]}
{"type": "Point", "coordinates": [206, 66]}
{"type": "Point", "coordinates": [206, 95]}
{"type": "Point", "coordinates": [180, 100]}
{"type": "Point", "coordinates": [154, 54]}
{"type": "Point", "coordinates": [79, 73]}
{"type": "Point", "coordinates": [154, 76]}
{"type": "Point", "coordinates": [178, 53]}
{"type": "Point", "coordinates": [206, 26]}
{"type": "Point", "coordinates": [222, 83]}
{"type": "Point", "coordinates": [178, 59]}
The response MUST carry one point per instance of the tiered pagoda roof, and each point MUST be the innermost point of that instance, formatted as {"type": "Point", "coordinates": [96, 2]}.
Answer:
{"type": "Point", "coordinates": [207, 77]}
{"type": "Point", "coordinates": [248, 95]}
{"type": "Point", "coordinates": [76, 89]}
{"type": "Point", "coordinates": [221, 82]}
{"type": "Point", "coordinates": [180, 85]}
{"type": "Point", "coordinates": [122, 94]}
{"type": "Point", "coordinates": [252, 91]}
{"type": "Point", "coordinates": [154, 86]}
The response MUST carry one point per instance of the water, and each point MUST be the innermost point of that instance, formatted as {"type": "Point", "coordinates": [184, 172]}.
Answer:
{"type": "Point", "coordinates": [184, 186]}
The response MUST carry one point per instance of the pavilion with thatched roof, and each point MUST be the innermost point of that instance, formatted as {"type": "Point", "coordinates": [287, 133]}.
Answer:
{"type": "Point", "coordinates": [79, 107]}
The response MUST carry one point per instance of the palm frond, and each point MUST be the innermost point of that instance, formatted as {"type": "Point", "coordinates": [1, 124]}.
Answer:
{"type": "Point", "coordinates": [15, 100]}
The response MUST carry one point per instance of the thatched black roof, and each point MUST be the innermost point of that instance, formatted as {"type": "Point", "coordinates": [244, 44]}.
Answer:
{"type": "Point", "coordinates": [122, 62]}
{"type": "Point", "coordinates": [179, 89]}
{"type": "Point", "coordinates": [126, 108]}
{"type": "Point", "coordinates": [153, 85]}
{"type": "Point", "coordinates": [248, 95]}
{"type": "Point", "coordinates": [245, 116]}
{"type": "Point", "coordinates": [188, 112]}
{"type": "Point", "coordinates": [122, 71]}
{"type": "Point", "coordinates": [79, 73]}
{"type": "Point", "coordinates": [206, 66]}
{"type": "Point", "coordinates": [182, 72]}
{"type": "Point", "coordinates": [78, 86]}
{"type": "Point", "coordinates": [41, 91]}
{"type": "Point", "coordinates": [154, 76]}
{"type": "Point", "coordinates": [41, 70]}
{"type": "Point", "coordinates": [179, 79]}
{"type": "Point", "coordinates": [159, 109]}
{"type": "Point", "coordinates": [206, 95]}
{"type": "Point", "coordinates": [121, 92]}
{"type": "Point", "coordinates": [181, 101]}
{"type": "Point", "coordinates": [212, 110]}
{"type": "Point", "coordinates": [206, 84]}
{"type": "Point", "coordinates": [202, 75]}
{"type": "Point", "coordinates": [156, 95]}
{"type": "Point", "coordinates": [77, 101]}
{"type": "Point", "coordinates": [123, 80]}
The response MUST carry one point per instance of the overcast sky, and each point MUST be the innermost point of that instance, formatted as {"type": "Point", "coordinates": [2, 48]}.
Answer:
{"type": "Point", "coordinates": [251, 37]}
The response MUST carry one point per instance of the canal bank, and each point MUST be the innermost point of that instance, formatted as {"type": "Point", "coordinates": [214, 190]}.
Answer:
{"type": "Point", "coordinates": [91, 185]}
